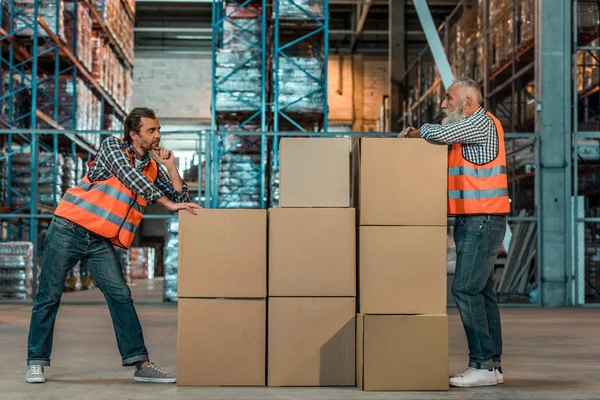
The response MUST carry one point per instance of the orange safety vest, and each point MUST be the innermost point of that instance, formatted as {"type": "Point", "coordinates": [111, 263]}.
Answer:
{"type": "Point", "coordinates": [107, 208]}
{"type": "Point", "coordinates": [478, 189]}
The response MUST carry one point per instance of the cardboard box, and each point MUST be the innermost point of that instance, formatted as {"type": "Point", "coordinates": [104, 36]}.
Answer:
{"type": "Point", "coordinates": [223, 253]}
{"type": "Point", "coordinates": [221, 342]}
{"type": "Point", "coordinates": [402, 270]}
{"type": "Point", "coordinates": [402, 352]}
{"type": "Point", "coordinates": [312, 252]}
{"type": "Point", "coordinates": [314, 172]}
{"type": "Point", "coordinates": [402, 182]}
{"type": "Point", "coordinates": [311, 341]}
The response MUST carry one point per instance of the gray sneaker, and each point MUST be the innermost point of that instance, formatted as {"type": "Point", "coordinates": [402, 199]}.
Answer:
{"type": "Point", "coordinates": [35, 374]}
{"type": "Point", "coordinates": [152, 373]}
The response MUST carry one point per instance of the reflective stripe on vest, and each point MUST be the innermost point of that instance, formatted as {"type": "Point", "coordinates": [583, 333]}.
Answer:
{"type": "Point", "coordinates": [477, 173]}
{"type": "Point", "coordinates": [99, 211]}
{"type": "Point", "coordinates": [477, 194]}
{"type": "Point", "coordinates": [478, 189]}
{"type": "Point", "coordinates": [112, 192]}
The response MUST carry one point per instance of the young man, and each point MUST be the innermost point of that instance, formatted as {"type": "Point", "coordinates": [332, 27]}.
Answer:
{"type": "Point", "coordinates": [105, 210]}
{"type": "Point", "coordinates": [478, 199]}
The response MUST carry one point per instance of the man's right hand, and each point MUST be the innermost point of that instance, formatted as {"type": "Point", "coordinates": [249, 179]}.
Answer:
{"type": "Point", "coordinates": [172, 206]}
{"type": "Point", "coordinates": [405, 132]}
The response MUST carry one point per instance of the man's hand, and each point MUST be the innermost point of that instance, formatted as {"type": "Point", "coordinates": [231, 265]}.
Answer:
{"type": "Point", "coordinates": [172, 206]}
{"type": "Point", "coordinates": [410, 132]}
{"type": "Point", "coordinates": [165, 157]}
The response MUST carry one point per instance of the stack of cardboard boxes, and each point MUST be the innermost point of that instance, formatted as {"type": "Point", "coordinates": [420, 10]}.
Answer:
{"type": "Point", "coordinates": [297, 325]}
{"type": "Point", "coordinates": [402, 328]}
{"type": "Point", "coordinates": [312, 267]}
{"type": "Point", "coordinates": [222, 310]}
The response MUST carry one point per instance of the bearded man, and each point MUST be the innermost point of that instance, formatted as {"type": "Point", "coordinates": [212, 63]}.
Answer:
{"type": "Point", "coordinates": [478, 199]}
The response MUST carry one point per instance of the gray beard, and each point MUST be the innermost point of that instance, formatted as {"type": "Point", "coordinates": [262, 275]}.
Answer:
{"type": "Point", "coordinates": [454, 116]}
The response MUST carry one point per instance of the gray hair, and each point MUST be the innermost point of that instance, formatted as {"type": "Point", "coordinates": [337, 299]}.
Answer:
{"type": "Point", "coordinates": [468, 83]}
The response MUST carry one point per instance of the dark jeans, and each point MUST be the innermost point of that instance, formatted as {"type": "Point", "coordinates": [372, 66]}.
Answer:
{"type": "Point", "coordinates": [65, 245]}
{"type": "Point", "coordinates": [478, 240]}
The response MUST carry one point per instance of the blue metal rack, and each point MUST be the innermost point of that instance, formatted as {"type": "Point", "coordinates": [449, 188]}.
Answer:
{"type": "Point", "coordinates": [298, 48]}
{"type": "Point", "coordinates": [301, 36]}
{"type": "Point", "coordinates": [235, 164]}
{"type": "Point", "coordinates": [35, 60]}
{"type": "Point", "coordinates": [300, 58]}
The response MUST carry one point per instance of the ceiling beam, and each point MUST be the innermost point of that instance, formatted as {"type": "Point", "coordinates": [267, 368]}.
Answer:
{"type": "Point", "coordinates": [171, 29]}
{"type": "Point", "coordinates": [435, 43]}
{"type": "Point", "coordinates": [361, 23]}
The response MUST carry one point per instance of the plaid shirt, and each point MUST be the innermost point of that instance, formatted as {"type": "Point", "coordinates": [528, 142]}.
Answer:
{"type": "Point", "coordinates": [477, 133]}
{"type": "Point", "coordinates": [112, 160]}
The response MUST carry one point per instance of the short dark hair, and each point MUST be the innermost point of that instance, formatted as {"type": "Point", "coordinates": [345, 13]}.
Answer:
{"type": "Point", "coordinates": [133, 122]}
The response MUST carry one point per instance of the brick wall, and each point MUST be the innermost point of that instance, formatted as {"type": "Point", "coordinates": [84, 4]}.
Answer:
{"type": "Point", "coordinates": [375, 86]}
{"type": "Point", "coordinates": [179, 88]}
{"type": "Point", "coordinates": [340, 104]}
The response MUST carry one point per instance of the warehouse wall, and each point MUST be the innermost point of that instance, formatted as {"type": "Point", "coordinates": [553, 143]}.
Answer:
{"type": "Point", "coordinates": [179, 88]}
{"type": "Point", "coordinates": [375, 86]}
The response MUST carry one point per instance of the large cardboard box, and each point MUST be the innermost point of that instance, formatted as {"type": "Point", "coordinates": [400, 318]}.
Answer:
{"type": "Point", "coordinates": [223, 253]}
{"type": "Point", "coordinates": [311, 341]}
{"type": "Point", "coordinates": [402, 352]}
{"type": "Point", "coordinates": [314, 172]}
{"type": "Point", "coordinates": [312, 252]}
{"type": "Point", "coordinates": [401, 182]}
{"type": "Point", "coordinates": [402, 270]}
{"type": "Point", "coordinates": [221, 342]}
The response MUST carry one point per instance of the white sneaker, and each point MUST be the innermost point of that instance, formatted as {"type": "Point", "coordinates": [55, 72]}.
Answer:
{"type": "Point", "coordinates": [473, 377]}
{"type": "Point", "coordinates": [35, 374]}
{"type": "Point", "coordinates": [499, 375]}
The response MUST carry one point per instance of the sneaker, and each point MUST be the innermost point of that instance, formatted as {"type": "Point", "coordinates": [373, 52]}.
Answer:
{"type": "Point", "coordinates": [35, 374]}
{"type": "Point", "coordinates": [473, 377]}
{"type": "Point", "coordinates": [499, 375]}
{"type": "Point", "coordinates": [152, 373]}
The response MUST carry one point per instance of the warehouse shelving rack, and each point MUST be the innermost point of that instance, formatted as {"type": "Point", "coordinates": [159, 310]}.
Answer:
{"type": "Point", "coordinates": [239, 33]}
{"type": "Point", "coordinates": [282, 36]}
{"type": "Point", "coordinates": [507, 77]}
{"type": "Point", "coordinates": [32, 118]}
{"type": "Point", "coordinates": [586, 152]}
{"type": "Point", "coordinates": [301, 30]}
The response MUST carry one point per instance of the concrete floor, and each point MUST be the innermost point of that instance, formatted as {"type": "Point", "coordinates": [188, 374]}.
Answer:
{"type": "Point", "coordinates": [549, 354]}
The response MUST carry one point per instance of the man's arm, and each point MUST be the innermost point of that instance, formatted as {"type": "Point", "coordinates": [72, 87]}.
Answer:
{"type": "Point", "coordinates": [112, 157]}
{"type": "Point", "coordinates": [471, 130]}
{"type": "Point", "coordinates": [171, 184]}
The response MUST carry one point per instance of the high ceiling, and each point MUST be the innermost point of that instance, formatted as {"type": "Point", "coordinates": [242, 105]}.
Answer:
{"type": "Point", "coordinates": [184, 27]}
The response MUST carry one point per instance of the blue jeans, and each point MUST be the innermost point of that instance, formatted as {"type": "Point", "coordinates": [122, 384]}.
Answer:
{"type": "Point", "coordinates": [478, 239]}
{"type": "Point", "coordinates": [65, 245]}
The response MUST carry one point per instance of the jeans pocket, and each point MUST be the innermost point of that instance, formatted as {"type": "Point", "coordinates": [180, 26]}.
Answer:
{"type": "Point", "coordinates": [63, 223]}
{"type": "Point", "coordinates": [478, 220]}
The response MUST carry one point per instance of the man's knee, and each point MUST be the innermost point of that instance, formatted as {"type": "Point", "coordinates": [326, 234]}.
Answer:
{"type": "Point", "coordinates": [463, 289]}
{"type": "Point", "coordinates": [119, 293]}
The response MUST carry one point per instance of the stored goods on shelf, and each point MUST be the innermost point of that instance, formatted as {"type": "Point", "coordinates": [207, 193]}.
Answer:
{"type": "Point", "coordinates": [142, 261]}
{"type": "Point", "coordinates": [118, 22]}
{"type": "Point", "coordinates": [88, 109]}
{"type": "Point", "coordinates": [79, 37]}
{"type": "Point", "coordinates": [21, 179]}
{"type": "Point", "coordinates": [50, 11]}
{"type": "Point", "coordinates": [291, 10]}
{"type": "Point", "coordinates": [109, 71]}
{"type": "Point", "coordinates": [16, 270]}
{"type": "Point", "coordinates": [171, 260]}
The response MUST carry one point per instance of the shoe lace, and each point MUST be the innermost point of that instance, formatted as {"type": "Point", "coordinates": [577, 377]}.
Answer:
{"type": "Point", "coordinates": [467, 372]}
{"type": "Point", "coordinates": [157, 369]}
{"type": "Point", "coordinates": [36, 369]}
